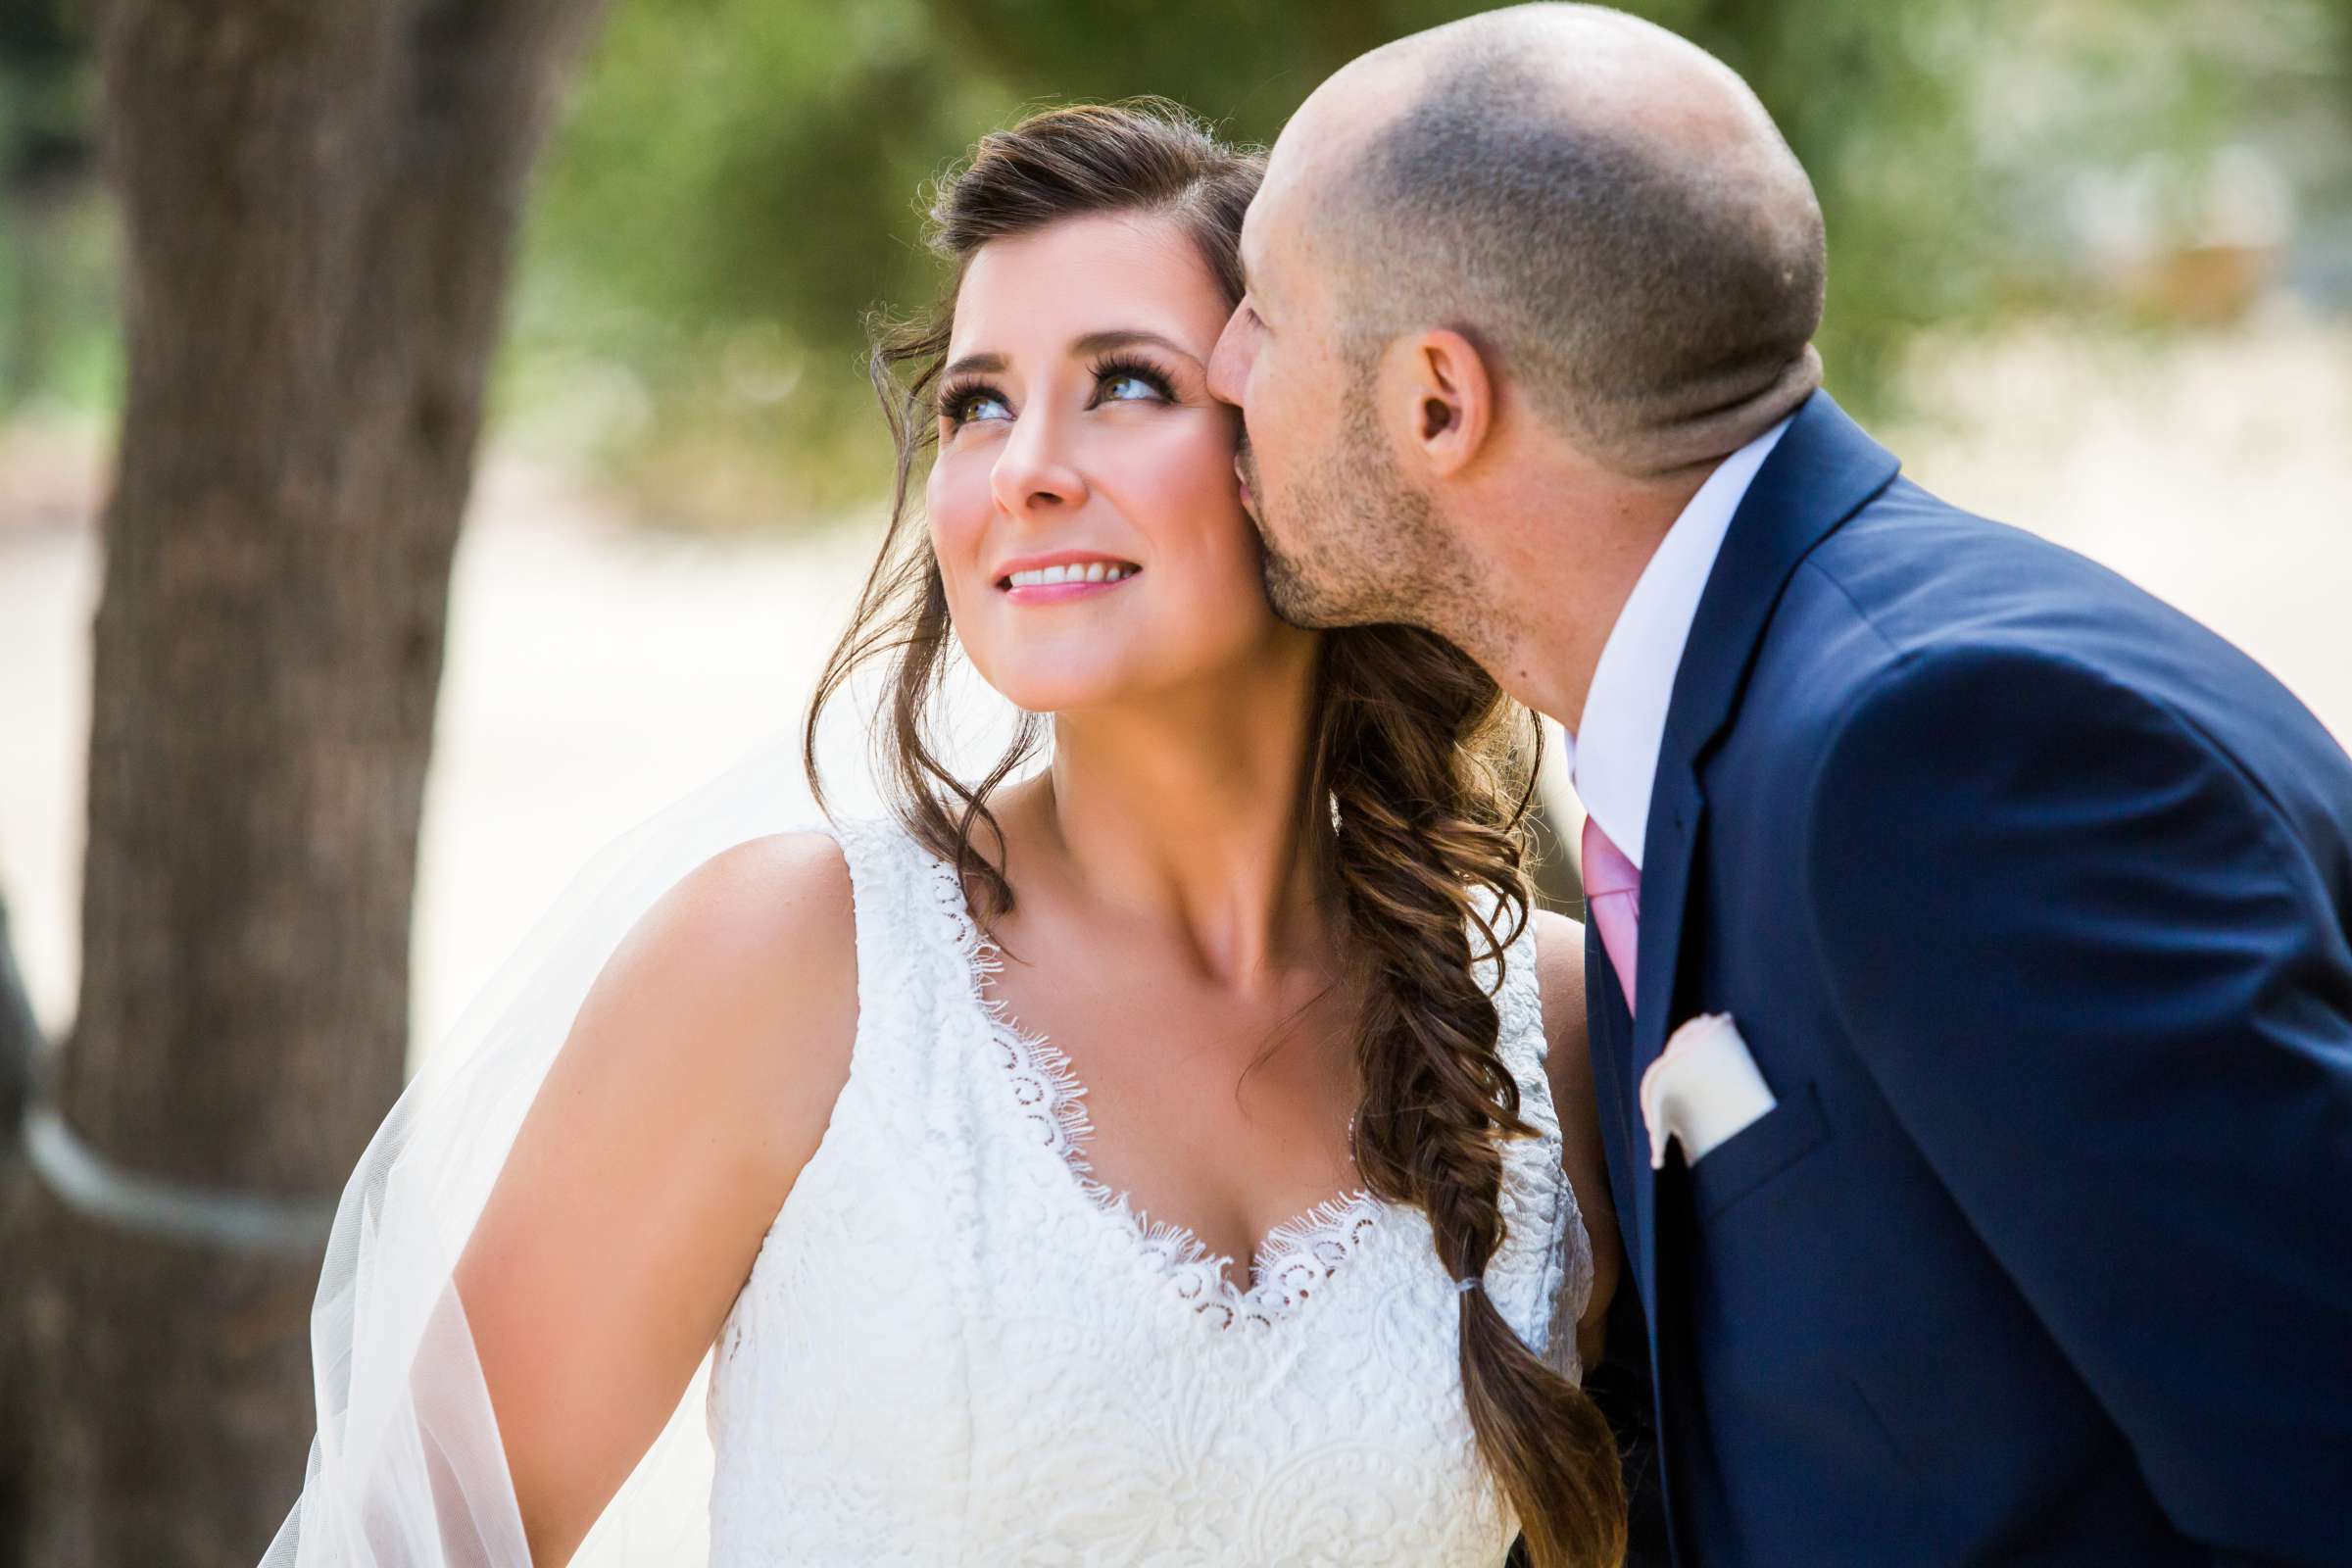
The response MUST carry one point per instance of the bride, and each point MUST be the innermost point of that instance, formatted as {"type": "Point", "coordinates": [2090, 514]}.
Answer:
{"type": "Point", "coordinates": [1179, 1153]}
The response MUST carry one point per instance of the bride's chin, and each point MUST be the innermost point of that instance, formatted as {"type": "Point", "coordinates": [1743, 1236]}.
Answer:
{"type": "Point", "coordinates": [1079, 708]}
{"type": "Point", "coordinates": [1079, 679]}
{"type": "Point", "coordinates": [1073, 676]}
{"type": "Point", "coordinates": [1062, 695]}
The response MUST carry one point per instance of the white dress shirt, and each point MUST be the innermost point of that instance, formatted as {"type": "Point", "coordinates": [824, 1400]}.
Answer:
{"type": "Point", "coordinates": [1613, 756]}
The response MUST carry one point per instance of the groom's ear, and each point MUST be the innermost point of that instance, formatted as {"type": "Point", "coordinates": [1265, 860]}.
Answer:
{"type": "Point", "coordinates": [1450, 401]}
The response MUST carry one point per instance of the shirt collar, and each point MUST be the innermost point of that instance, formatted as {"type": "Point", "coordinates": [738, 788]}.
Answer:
{"type": "Point", "coordinates": [1613, 757]}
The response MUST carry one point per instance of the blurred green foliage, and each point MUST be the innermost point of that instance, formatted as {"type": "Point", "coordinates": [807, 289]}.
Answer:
{"type": "Point", "coordinates": [56, 243]}
{"type": "Point", "coordinates": [739, 182]}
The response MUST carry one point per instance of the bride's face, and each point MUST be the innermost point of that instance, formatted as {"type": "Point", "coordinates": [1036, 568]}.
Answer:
{"type": "Point", "coordinates": [1082, 503]}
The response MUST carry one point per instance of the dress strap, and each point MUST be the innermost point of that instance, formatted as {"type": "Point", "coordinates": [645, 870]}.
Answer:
{"type": "Point", "coordinates": [1547, 1260]}
{"type": "Point", "coordinates": [903, 968]}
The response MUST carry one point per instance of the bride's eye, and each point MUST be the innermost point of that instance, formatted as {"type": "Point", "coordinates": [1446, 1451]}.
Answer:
{"type": "Point", "coordinates": [964, 404]}
{"type": "Point", "coordinates": [1130, 382]}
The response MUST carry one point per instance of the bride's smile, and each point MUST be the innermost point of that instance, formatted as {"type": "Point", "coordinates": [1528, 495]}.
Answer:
{"type": "Point", "coordinates": [1060, 576]}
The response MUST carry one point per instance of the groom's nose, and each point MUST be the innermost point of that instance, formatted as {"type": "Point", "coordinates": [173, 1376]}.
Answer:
{"type": "Point", "coordinates": [1229, 361]}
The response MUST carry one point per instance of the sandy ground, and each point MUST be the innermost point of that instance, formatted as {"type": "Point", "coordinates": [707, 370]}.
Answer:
{"type": "Point", "coordinates": [596, 672]}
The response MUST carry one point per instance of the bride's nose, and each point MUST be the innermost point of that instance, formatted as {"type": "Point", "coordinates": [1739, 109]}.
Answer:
{"type": "Point", "coordinates": [1032, 472]}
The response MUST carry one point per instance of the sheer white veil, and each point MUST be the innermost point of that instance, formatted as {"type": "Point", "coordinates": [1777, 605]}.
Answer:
{"type": "Point", "coordinates": [407, 1470]}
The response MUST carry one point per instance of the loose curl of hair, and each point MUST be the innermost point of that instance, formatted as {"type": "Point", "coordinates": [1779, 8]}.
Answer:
{"type": "Point", "coordinates": [1420, 766]}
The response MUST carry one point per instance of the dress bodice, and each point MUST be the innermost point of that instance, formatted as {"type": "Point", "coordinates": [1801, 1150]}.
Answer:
{"type": "Point", "coordinates": [956, 1347]}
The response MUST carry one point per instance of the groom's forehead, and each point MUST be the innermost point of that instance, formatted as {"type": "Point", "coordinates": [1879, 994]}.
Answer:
{"type": "Point", "coordinates": [1274, 221]}
{"type": "Point", "coordinates": [1252, 243]}
{"type": "Point", "coordinates": [1260, 245]}
{"type": "Point", "coordinates": [1329, 136]}
{"type": "Point", "coordinates": [1282, 241]}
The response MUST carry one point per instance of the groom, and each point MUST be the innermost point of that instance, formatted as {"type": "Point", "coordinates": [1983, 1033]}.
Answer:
{"type": "Point", "coordinates": [2010, 1217]}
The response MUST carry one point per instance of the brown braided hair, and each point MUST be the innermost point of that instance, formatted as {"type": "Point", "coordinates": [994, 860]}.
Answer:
{"type": "Point", "coordinates": [1422, 767]}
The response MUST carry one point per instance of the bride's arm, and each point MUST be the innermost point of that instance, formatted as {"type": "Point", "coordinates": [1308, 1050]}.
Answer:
{"type": "Point", "coordinates": [695, 1084]}
{"type": "Point", "coordinates": [1568, 1064]}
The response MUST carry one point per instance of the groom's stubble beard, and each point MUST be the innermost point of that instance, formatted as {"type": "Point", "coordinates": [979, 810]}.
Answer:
{"type": "Point", "coordinates": [1352, 544]}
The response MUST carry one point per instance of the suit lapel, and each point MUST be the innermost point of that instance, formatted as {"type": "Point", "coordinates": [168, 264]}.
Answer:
{"type": "Point", "coordinates": [1823, 470]}
{"type": "Point", "coordinates": [1675, 806]}
{"type": "Point", "coordinates": [1609, 1029]}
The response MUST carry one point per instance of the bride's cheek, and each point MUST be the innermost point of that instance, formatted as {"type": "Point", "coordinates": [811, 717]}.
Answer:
{"type": "Point", "coordinates": [956, 525]}
{"type": "Point", "coordinates": [1189, 475]}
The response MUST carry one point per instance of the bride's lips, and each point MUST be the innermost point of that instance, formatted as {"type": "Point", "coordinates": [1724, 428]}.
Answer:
{"type": "Point", "coordinates": [1106, 573]}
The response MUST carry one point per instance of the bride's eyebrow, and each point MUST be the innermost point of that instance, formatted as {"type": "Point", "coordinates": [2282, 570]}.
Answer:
{"type": "Point", "coordinates": [1109, 342]}
{"type": "Point", "coordinates": [975, 364]}
{"type": "Point", "coordinates": [1091, 344]}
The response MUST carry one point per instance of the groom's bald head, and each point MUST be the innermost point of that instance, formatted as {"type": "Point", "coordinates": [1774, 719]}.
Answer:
{"type": "Point", "coordinates": [1601, 206]}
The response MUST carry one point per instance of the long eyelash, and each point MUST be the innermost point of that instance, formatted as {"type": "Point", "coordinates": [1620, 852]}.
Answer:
{"type": "Point", "coordinates": [1141, 370]}
{"type": "Point", "coordinates": [956, 397]}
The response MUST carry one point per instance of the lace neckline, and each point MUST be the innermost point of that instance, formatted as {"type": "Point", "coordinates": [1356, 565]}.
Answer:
{"type": "Point", "coordinates": [1291, 1263]}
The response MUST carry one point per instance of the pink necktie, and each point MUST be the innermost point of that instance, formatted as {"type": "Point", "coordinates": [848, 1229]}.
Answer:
{"type": "Point", "coordinates": [1614, 898]}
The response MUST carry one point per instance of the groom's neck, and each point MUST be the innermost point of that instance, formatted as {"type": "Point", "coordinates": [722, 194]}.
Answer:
{"type": "Point", "coordinates": [1563, 545]}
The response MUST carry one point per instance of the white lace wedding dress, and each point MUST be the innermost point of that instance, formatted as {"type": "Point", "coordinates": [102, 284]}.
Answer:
{"type": "Point", "coordinates": [956, 1347]}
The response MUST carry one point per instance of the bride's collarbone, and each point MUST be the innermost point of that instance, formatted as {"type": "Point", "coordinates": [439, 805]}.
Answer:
{"type": "Point", "coordinates": [1226, 1116]}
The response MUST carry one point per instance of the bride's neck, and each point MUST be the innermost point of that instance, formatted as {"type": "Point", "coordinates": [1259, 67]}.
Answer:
{"type": "Point", "coordinates": [1189, 810]}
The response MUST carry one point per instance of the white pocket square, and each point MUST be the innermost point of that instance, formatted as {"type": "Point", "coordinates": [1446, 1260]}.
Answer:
{"type": "Point", "coordinates": [1702, 1089]}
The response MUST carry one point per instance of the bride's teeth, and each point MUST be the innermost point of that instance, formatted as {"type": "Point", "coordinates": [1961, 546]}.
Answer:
{"type": "Point", "coordinates": [1086, 572]}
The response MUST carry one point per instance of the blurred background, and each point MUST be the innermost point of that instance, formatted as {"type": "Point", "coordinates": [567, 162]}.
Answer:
{"type": "Point", "coordinates": [456, 408]}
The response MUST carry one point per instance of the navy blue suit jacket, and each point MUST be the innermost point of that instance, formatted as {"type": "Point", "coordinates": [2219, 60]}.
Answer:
{"type": "Point", "coordinates": [2031, 899]}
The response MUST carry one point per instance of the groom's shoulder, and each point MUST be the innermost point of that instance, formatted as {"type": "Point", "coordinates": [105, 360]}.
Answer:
{"type": "Point", "coordinates": [1911, 582]}
{"type": "Point", "coordinates": [1954, 631]}
{"type": "Point", "coordinates": [1919, 571]}
{"type": "Point", "coordinates": [1914, 599]}
{"type": "Point", "coordinates": [1932, 584]}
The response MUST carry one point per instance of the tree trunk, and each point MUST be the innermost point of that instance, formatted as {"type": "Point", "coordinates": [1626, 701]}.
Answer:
{"type": "Point", "coordinates": [320, 202]}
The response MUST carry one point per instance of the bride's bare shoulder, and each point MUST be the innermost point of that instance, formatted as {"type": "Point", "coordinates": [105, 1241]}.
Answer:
{"type": "Point", "coordinates": [696, 1081]}
{"type": "Point", "coordinates": [765, 926]}
{"type": "Point", "coordinates": [1560, 973]}
{"type": "Point", "coordinates": [740, 985]}
{"type": "Point", "coordinates": [778, 902]}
